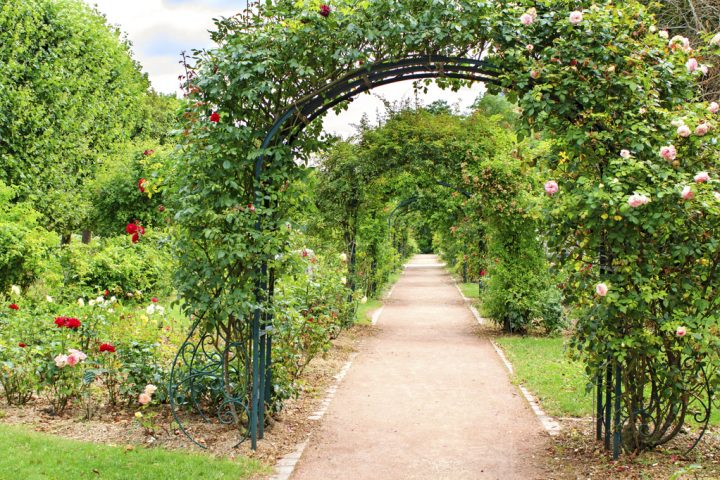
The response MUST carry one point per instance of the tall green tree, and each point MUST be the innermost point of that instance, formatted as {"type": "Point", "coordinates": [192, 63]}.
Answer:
{"type": "Point", "coordinates": [69, 92]}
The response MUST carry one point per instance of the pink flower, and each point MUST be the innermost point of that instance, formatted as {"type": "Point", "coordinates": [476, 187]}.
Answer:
{"type": "Point", "coordinates": [683, 131]}
{"type": "Point", "coordinates": [576, 17]}
{"type": "Point", "coordinates": [72, 360]}
{"type": "Point", "coordinates": [678, 42]}
{"type": "Point", "coordinates": [681, 332]}
{"type": "Point", "coordinates": [75, 357]}
{"type": "Point", "coordinates": [529, 47]}
{"type": "Point", "coordinates": [325, 10]}
{"type": "Point", "coordinates": [551, 187]}
{"type": "Point", "coordinates": [704, 69]}
{"type": "Point", "coordinates": [715, 40]}
{"type": "Point", "coordinates": [687, 193]}
{"type": "Point", "coordinates": [61, 360]}
{"type": "Point", "coordinates": [526, 19]}
{"type": "Point", "coordinates": [601, 289]}
{"type": "Point", "coordinates": [637, 200]}
{"type": "Point", "coordinates": [668, 153]}
{"type": "Point", "coordinates": [154, 299]}
{"type": "Point", "coordinates": [701, 177]}
{"type": "Point", "coordinates": [150, 389]}
{"type": "Point", "coordinates": [534, 74]}
{"type": "Point", "coordinates": [692, 65]}
{"type": "Point", "coordinates": [713, 107]}
{"type": "Point", "coordinates": [625, 154]}
{"type": "Point", "coordinates": [144, 398]}
{"type": "Point", "coordinates": [701, 129]}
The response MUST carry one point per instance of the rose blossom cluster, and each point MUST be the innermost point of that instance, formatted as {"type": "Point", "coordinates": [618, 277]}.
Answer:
{"type": "Point", "coordinates": [146, 396]}
{"type": "Point", "coordinates": [638, 200]}
{"type": "Point", "coordinates": [67, 322]}
{"type": "Point", "coordinates": [71, 359]}
{"type": "Point", "coordinates": [135, 229]}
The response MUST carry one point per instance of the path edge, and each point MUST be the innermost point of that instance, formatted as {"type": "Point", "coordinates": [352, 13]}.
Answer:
{"type": "Point", "coordinates": [551, 426]}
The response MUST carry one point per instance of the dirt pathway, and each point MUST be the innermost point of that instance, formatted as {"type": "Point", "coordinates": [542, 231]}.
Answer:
{"type": "Point", "coordinates": [426, 398]}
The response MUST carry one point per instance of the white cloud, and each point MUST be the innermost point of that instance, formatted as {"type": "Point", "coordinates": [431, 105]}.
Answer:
{"type": "Point", "coordinates": [161, 29]}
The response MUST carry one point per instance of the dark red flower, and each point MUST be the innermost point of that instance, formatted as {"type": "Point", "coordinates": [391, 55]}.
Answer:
{"type": "Point", "coordinates": [14, 306]}
{"type": "Point", "coordinates": [215, 117]}
{"type": "Point", "coordinates": [22, 345]}
{"type": "Point", "coordinates": [135, 237]}
{"type": "Point", "coordinates": [324, 10]}
{"type": "Point", "coordinates": [141, 185]}
{"type": "Point", "coordinates": [154, 299]}
{"type": "Point", "coordinates": [135, 230]}
{"type": "Point", "coordinates": [483, 273]}
{"type": "Point", "coordinates": [161, 208]}
{"type": "Point", "coordinates": [107, 347]}
{"type": "Point", "coordinates": [147, 153]}
{"type": "Point", "coordinates": [106, 292]}
{"type": "Point", "coordinates": [251, 207]}
{"type": "Point", "coordinates": [67, 322]}
{"type": "Point", "coordinates": [131, 228]}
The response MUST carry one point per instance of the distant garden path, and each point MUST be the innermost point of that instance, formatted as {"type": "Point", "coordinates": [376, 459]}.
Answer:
{"type": "Point", "coordinates": [426, 398]}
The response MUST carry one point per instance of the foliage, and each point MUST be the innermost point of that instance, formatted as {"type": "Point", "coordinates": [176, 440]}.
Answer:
{"type": "Point", "coordinates": [70, 92]}
{"type": "Point", "coordinates": [24, 245]}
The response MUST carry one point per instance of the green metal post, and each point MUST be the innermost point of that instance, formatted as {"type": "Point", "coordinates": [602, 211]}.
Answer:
{"type": "Point", "coordinates": [618, 392]}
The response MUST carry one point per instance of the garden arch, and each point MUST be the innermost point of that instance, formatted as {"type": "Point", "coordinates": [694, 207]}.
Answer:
{"type": "Point", "coordinates": [570, 97]}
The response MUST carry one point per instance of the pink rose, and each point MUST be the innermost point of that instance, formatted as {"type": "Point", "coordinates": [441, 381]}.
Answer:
{"type": "Point", "coordinates": [144, 399]}
{"type": "Point", "coordinates": [704, 69]}
{"type": "Point", "coordinates": [701, 129]}
{"type": "Point", "coordinates": [61, 361]}
{"type": "Point", "coordinates": [638, 200]}
{"type": "Point", "coordinates": [601, 289]}
{"type": "Point", "coordinates": [526, 19]}
{"type": "Point", "coordinates": [576, 17]}
{"type": "Point", "coordinates": [625, 154]}
{"type": "Point", "coordinates": [72, 360]}
{"type": "Point", "coordinates": [692, 65]}
{"type": "Point", "coordinates": [681, 332]}
{"type": "Point", "coordinates": [713, 107]}
{"type": "Point", "coordinates": [534, 74]}
{"type": "Point", "coordinates": [678, 42]}
{"type": "Point", "coordinates": [529, 47]}
{"type": "Point", "coordinates": [701, 177]}
{"type": "Point", "coordinates": [668, 152]}
{"type": "Point", "coordinates": [687, 193]}
{"type": "Point", "coordinates": [683, 131]}
{"type": "Point", "coordinates": [551, 187]}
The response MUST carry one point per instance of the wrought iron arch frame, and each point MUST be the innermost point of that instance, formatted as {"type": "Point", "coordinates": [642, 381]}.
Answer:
{"type": "Point", "coordinates": [287, 127]}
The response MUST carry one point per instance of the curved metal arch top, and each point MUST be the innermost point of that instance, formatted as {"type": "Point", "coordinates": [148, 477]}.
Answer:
{"type": "Point", "coordinates": [291, 123]}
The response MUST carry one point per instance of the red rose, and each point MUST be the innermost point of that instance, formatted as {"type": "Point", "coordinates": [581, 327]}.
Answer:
{"type": "Point", "coordinates": [482, 273]}
{"type": "Point", "coordinates": [251, 207]}
{"type": "Point", "coordinates": [154, 299]}
{"type": "Point", "coordinates": [147, 153]}
{"type": "Point", "coordinates": [131, 228]}
{"type": "Point", "coordinates": [107, 347]}
{"type": "Point", "coordinates": [324, 10]}
{"type": "Point", "coordinates": [60, 321]}
{"type": "Point", "coordinates": [161, 208]}
{"type": "Point", "coordinates": [135, 237]}
{"type": "Point", "coordinates": [141, 185]}
{"type": "Point", "coordinates": [141, 230]}
{"type": "Point", "coordinates": [14, 306]}
{"type": "Point", "coordinates": [106, 292]}
{"type": "Point", "coordinates": [215, 117]}
{"type": "Point", "coordinates": [73, 323]}
{"type": "Point", "coordinates": [22, 345]}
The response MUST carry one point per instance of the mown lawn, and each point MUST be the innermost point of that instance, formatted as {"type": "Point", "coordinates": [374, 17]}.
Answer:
{"type": "Point", "coordinates": [541, 365]}
{"type": "Point", "coordinates": [543, 368]}
{"type": "Point", "coordinates": [34, 456]}
{"type": "Point", "coordinates": [470, 290]}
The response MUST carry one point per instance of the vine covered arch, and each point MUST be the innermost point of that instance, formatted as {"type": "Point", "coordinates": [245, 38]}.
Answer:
{"type": "Point", "coordinates": [599, 77]}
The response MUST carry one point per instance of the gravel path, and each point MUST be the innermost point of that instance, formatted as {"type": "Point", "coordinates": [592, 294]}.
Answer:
{"type": "Point", "coordinates": [426, 398]}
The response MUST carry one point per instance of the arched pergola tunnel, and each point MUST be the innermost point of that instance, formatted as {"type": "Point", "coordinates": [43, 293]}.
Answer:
{"type": "Point", "coordinates": [531, 58]}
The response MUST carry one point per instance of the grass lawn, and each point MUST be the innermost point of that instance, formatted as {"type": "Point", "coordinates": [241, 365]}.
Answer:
{"type": "Point", "coordinates": [470, 290]}
{"type": "Point", "coordinates": [542, 366]}
{"type": "Point", "coordinates": [34, 456]}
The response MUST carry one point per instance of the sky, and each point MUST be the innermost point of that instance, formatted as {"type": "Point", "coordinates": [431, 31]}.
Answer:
{"type": "Point", "coordinates": [161, 29]}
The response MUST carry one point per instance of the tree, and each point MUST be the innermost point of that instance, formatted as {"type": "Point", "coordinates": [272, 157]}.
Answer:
{"type": "Point", "coordinates": [70, 92]}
